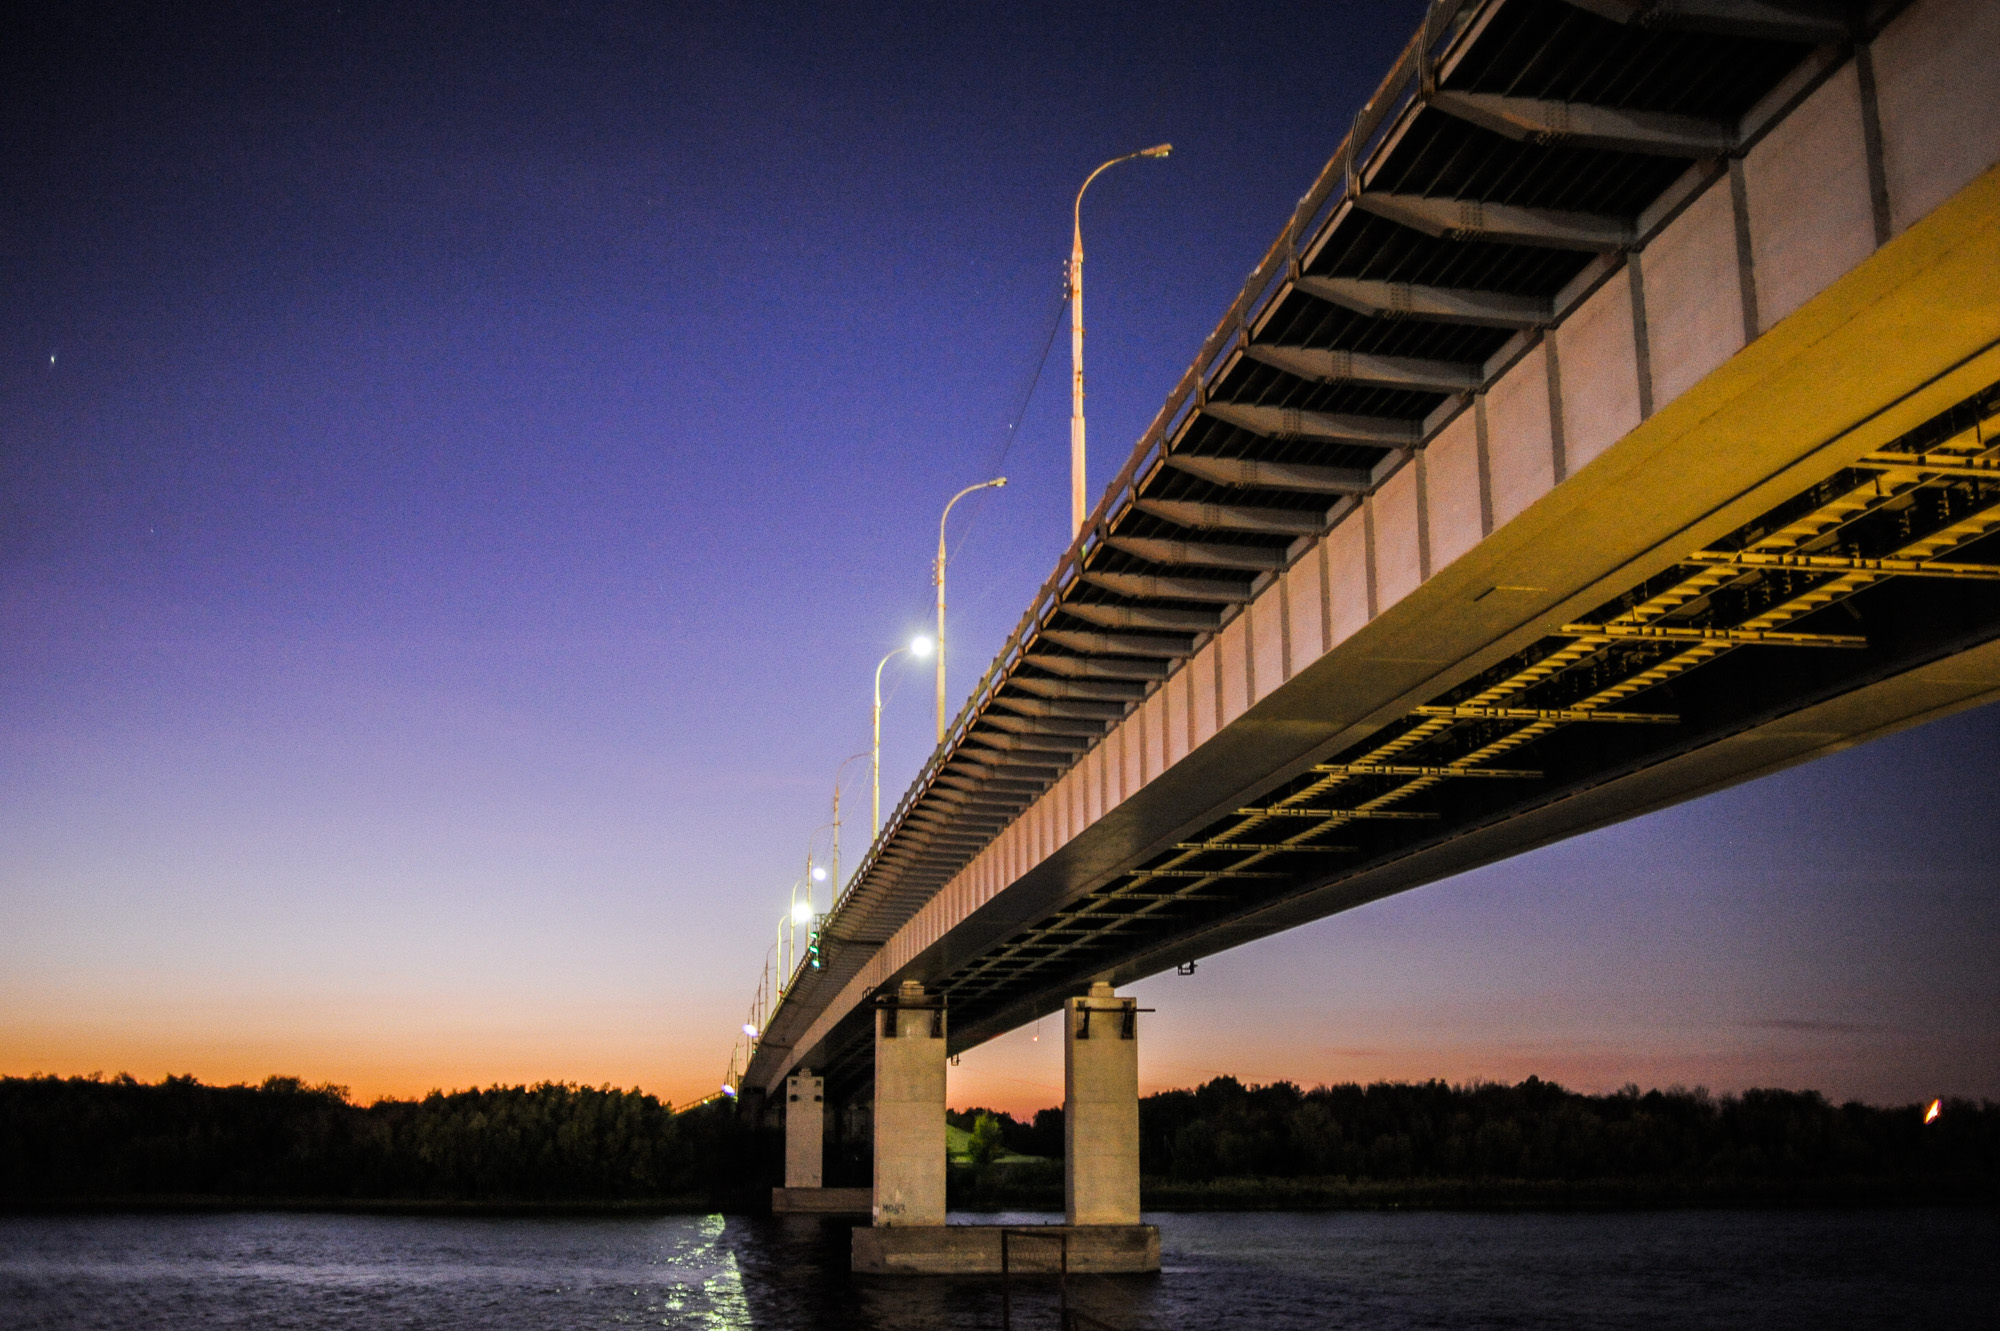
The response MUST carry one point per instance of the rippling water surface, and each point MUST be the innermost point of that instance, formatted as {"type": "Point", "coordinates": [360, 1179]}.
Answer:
{"type": "Point", "coordinates": [1271, 1272]}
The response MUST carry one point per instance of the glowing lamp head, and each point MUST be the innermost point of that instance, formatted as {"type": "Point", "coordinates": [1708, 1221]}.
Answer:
{"type": "Point", "coordinates": [819, 874]}
{"type": "Point", "coordinates": [802, 912]}
{"type": "Point", "coordinates": [1931, 1114]}
{"type": "Point", "coordinates": [1157, 150]}
{"type": "Point", "coordinates": [920, 646]}
{"type": "Point", "coordinates": [749, 1030]}
{"type": "Point", "coordinates": [729, 1090]}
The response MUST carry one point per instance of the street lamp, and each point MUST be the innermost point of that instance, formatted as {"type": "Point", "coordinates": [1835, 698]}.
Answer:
{"type": "Point", "coordinates": [1076, 486]}
{"type": "Point", "coordinates": [937, 576]}
{"type": "Point", "coordinates": [838, 773]}
{"type": "Point", "coordinates": [919, 647]}
{"type": "Point", "coordinates": [815, 874]}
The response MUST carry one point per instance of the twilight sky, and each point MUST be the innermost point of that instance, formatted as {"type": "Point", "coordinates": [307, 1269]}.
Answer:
{"type": "Point", "coordinates": [459, 468]}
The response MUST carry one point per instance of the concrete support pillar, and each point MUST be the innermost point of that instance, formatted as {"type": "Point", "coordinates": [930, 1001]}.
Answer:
{"type": "Point", "coordinates": [805, 1129]}
{"type": "Point", "coordinates": [909, 1109]}
{"type": "Point", "coordinates": [1101, 1109]}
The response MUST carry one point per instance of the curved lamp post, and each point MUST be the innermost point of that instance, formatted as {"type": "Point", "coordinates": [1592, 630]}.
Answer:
{"type": "Point", "coordinates": [836, 824]}
{"type": "Point", "coordinates": [937, 576]}
{"type": "Point", "coordinates": [1077, 510]}
{"type": "Point", "coordinates": [919, 647]}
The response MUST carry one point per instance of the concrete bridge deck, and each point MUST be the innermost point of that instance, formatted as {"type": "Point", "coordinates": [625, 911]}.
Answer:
{"type": "Point", "coordinates": [1611, 422]}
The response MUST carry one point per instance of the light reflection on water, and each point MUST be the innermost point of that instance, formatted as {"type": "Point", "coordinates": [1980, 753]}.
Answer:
{"type": "Point", "coordinates": [1268, 1271]}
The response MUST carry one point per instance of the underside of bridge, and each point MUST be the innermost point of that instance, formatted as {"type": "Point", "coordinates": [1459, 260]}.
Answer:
{"type": "Point", "coordinates": [1883, 567]}
{"type": "Point", "coordinates": [1799, 550]}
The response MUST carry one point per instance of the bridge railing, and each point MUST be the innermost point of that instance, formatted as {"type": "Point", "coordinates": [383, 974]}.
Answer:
{"type": "Point", "coordinates": [1339, 180]}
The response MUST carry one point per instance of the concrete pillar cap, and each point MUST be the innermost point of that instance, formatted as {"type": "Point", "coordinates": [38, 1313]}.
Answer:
{"type": "Point", "coordinates": [910, 991]}
{"type": "Point", "coordinates": [1101, 989]}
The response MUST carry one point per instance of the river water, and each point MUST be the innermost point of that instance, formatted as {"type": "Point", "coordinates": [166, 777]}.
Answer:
{"type": "Point", "coordinates": [1265, 1271]}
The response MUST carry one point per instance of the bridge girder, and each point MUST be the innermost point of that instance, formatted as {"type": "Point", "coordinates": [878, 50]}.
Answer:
{"type": "Point", "coordinates": [1453, 235]}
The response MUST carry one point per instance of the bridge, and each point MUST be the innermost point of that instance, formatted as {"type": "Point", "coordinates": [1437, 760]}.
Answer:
{"type": "Point", "coordinates": [1612, 421]}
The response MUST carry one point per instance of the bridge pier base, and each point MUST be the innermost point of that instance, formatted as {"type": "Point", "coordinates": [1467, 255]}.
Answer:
{"type": "Point", "coordinates": [804, 1191]}
{"type": "Point", "coordinates": [909, 1109]}
{"type": "Point", "coordinates": [1101, 1130]}
{"type": "Point", "coordinates": [1101, 1109]}
{"type": "Point", "coordinates": [805, 1129]}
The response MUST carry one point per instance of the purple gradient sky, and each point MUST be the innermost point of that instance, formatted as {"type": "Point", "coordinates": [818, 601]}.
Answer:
{"type": "Point", "coordinates": [459, 472]}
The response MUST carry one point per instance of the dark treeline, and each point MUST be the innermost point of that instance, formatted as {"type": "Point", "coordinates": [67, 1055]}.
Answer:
{"type": "Point", "coordinates": [1225, 1143]}
{"type": "Point", "coordinates": [79, 1139]}
{"type": "Point", "coordinates": [1537, 1130]}
{"type": "Point", "coordinates": [83, 1138]}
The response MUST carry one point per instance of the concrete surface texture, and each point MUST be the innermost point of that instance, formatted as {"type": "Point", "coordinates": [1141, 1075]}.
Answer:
{"type": "Point", "coordinates": [805, 1129]}
{"type": "Point", "coordinates": [909, 1110]}
{"type": "Point", "coordinates": [821, 1201]}
{"type": "Point", "coordinates": [939, 1250]}
{"type": "Point", "coordinates": [1101, 1109]}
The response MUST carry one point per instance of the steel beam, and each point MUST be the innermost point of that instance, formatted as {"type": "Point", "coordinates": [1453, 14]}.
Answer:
{"type": "Point", "coordinates": [1204, 554]}
{"type": "Point", "coordinates": [1920, 568]}
{"type": "Point", "coordinates": [1098, 667]}
{"type": "Point", "coordinates": [1325, 366]}
{"type": "Point", "coordinates": [1937, 464]}
{"type": "Point", "coordinates": [1290, 811]}
{"type": "Point", "coordinates": [1057, 707]}
{"type": "Point", "coordinates": [1013, 785]}
{"type": "Point", "coordinates": [1800, 21]}
{"type": "Point", "coordinates": [1040, 724]}
{"type": "Point", "coordinates": [1690, 633]}
{"type": "Point", "coordinates": [1294, 423]}
{"type": "Point", "coordinates": [1145, 617]}
{"type": "Point", "coordinates": [1088, 690]}
{"type": "Point", "coordinates": [1533, 120]}
{"type": "Point", "coordinates": [1471, 713]}
{"type": "Point", "coordinates": [1252, 473]}
{"type": "Point", "coordinates": [1233, 591]}
{"type": "Point", "coordinates": [1234, 517]}
{"type": "Point", "coordinates": [1398, 769]}
{"type": "Point", "coordinates": [995, 762]}
{"type": "Point", "coordinates": [1405, 300]}
{"type": "Point", "coordinates": [1261, 847]}
{"type": "Point", "coordinates": [1031, 743]}
{"type": "Point", "coordinates": [1503, 223]}
{"type": "Point", "coordinates": [983, 810]}
{"type": "Point", "coordinates": [1120, 644]}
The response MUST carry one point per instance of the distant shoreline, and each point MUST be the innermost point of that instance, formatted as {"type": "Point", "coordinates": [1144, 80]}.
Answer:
{"type": "Point", "coordinates": [196, 1205]}
{"type": "Point", "coordinates": [1243, 1194]}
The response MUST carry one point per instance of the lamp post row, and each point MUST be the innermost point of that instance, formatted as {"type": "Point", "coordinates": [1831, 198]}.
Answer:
{"type": "Point", "coordinates": [921, 646]}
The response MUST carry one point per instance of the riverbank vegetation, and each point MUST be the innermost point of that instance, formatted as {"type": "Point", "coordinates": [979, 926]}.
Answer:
{"type": "Point", "coordinates": [1223, 1145]}
{"type": "Point", "coordinates": [1228, 1146]}
{"type": "Point", "coordinates": [82, 1139]}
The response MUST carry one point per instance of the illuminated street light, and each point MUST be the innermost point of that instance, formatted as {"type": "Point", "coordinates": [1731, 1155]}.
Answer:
{"type": "Point", "coordinates": [919, 647]}
{"type": "Point", "coordinates": [1076, 486]}
{"type": "Point", "coordinates": [937, 576]}
{"type": "Point", "coordinates": [802, 911]}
